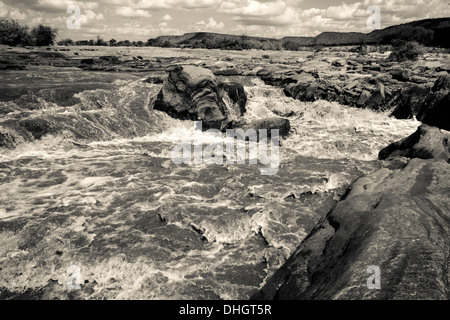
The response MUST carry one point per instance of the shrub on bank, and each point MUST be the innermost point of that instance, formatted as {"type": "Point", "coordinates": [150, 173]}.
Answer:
{"type": "Point", "coordinates": [405, 51]}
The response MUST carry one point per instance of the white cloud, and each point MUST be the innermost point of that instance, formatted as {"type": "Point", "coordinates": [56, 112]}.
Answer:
{"type": "Point", "coordinates": [342, 12]}
{"type": "Point", "coordinates": [167, 17]}
{"type": "Point", "coordinates": [89, 16]}
{"type": "Point", "coordinates": [60, 5]}
{"type": "Point", "coordinates": [165, 4]}
{"type": "Point", "coordinates": [128, 12]}
{"type": "Point", "coordinates": [212, 24]}
{"type": "Point", "coordinates": [193, 4]}
{"type": "Point", "coordinates": [253, 8]}
{"type": "Point", "coordinates": [3, 10]}
{"type": "Point", "coordinates": [17, 15]}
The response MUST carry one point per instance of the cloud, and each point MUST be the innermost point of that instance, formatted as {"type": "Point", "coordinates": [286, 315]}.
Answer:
{"type": "Point", "coordinates": [342, 12]}
{"type": "Point", "coordinates": [193, 4]}
{"type": "Point", "coordinates": [270, 18]}
{"type": "Point", "coordinates": [7, 11]}
{"type": "Point", "coordinates": [89, 16]}
{"type": "Point", "coordinates": [139, 4]}
{"type": "Point", "coordinates": [253, 8]}
{"type": "Point", "coordinates": [17, 15]}
{"type": "Point", "coordinates": [54, 6]}
{"type": "Point", "coordinates": [290, 17]}
{"type": "Point", "coordinates": [3, 10]}
{"type": "Point", "coordinates": [165, 4]}
{"type": "Point", "coordinates": [167, 18]}
{"type": "Point", "coordinates": [212, 24]}
{"type": "Point", "coordinates": [128, 12]}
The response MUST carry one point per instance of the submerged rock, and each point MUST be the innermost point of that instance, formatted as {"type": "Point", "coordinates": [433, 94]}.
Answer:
{"type": "Point", "coordinates": [427, 142]}
{"type": "Point", "coordinates": [193, 93]}
{"type": "Point", "coordinates": [282, 125]}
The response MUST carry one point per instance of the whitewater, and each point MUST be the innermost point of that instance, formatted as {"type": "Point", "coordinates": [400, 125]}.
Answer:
{"type": "Point", "coordinates": [102, 193]}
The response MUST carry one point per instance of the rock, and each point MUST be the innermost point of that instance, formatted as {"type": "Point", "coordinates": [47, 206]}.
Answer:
{"type": "Point", "coordinates": [37, 127]}
{"type": "Point", "coordinates": [426, 143]}
{"type": "Point", "coordinates": [436, 111]}
{"type": "Point", "coordinates": [192, 93]}
{"type": "Point", "coordinates": [352, 85]}
{"type": "Point", "coordinates": [311, 91]}
{"type": "Point", "coordinates": [372, 67]}
{"type": "Point", "coordinates": [235, 99]}
{"type": "Point", "coordinates": [445, 67]}
{"type": "Point", "coordinates": [338, 63]}
{"type": "Point", "coordinates": [442, 83]}
{"type": "Point", "coordinates": [227, 72]}
{"type": "Point", "coordinates": [363, 98]}
{"type": "Point", "coordinates": [419, 79]}
{"type": "Point", "coordinates": [377, 99]}
{"type": "Point", "coordinates": [294, 90]}
{"type": "Point", "coordinates": [110, 59]}
{"type": "Point", "coordinates": [400, 75]}
{"type": "Point", "coordinates": [259, 71]}
{"type": "Point", "coordinates": [281, 124]}
{"type": "Point", "coordinates": [51, 55]}
{"type": "Point", "coordinates": [409, 101]}
{"type": "Point", "coordinates": [12, 67]}
{"type": "Point", "coordinates": [87, 61]}
{"type": "Point", "coordinates": [155, 79]}
{"type": "Point", "coordinates": [395, 222]}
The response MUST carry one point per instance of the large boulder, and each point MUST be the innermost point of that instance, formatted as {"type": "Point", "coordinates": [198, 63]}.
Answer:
{"type": "Point", "coordinates": [377, 99]}
{"type": "Point", "coordinates": [193, 93]}
{"type": "Point", "coordinates": [388, 239]}
{"type": "Point", "coordinates": [431, 106]}
{"type": "Point", "coordinates": [312, 91]}
{"type": "Point", "coordinates": [437, 111]}
{"type": "Point", "coordinates": [442, 83]}
{"type": "Point", "coordinates": [426, 143]}
{"type": "Point", "coordinates": [408, 101]}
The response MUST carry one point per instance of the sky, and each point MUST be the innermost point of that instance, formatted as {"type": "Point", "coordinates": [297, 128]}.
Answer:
{"type": "Point", "coordinates": [143, 19]}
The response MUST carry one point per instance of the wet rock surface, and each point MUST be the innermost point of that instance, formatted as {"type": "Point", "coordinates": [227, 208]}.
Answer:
{"type": "Point", "coordinates": [393, 221]}
{"type": "Point", "coordinates": [192, 93]}
{"type": "Point", "coordinates": [426, 143]}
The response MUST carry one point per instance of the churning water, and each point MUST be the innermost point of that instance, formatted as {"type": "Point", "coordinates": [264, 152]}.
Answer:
{"type": "Point", "coordinates": [99, 191]}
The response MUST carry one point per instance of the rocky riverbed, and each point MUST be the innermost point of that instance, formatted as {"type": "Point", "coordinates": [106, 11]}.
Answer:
{"type": "Point", "coordinates": [89, 193]}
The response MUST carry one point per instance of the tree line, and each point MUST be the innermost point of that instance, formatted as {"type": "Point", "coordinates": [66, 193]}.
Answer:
{"type": "Point", "coordinates": [100, 42]}
{"type": "Point", "coordinates": [12, 33]}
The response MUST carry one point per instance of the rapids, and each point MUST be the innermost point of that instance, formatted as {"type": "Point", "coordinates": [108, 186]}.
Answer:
{"type": "Point", "coordinates": [95, 187]}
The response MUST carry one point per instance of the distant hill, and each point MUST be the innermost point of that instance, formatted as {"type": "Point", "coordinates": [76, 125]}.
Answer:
{"type": "Point", "coordinates": [434, 32]}
{"type": "Point", "coordinates": [211, 40]}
